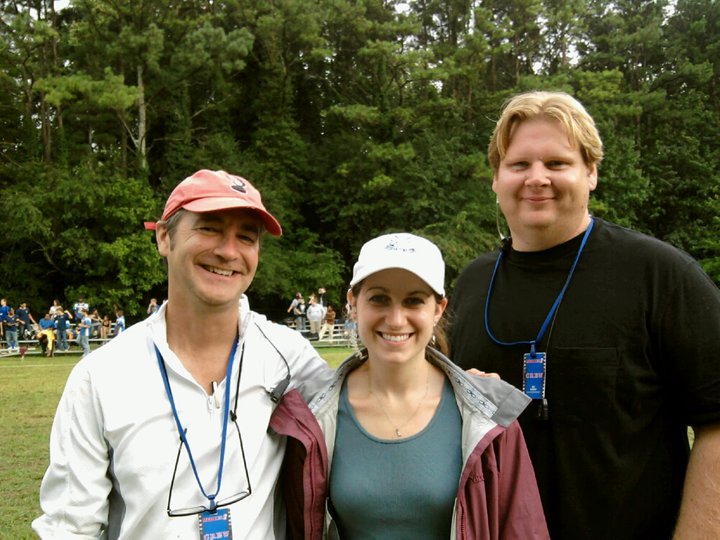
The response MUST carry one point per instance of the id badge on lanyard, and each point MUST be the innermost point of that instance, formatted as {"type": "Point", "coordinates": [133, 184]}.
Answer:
{"type": "Point", "coordinates": [215, 525]}
{"type": "Point", "coordinates": [534, 374]}
{"type": "Point", "coordinates": [534, 365]}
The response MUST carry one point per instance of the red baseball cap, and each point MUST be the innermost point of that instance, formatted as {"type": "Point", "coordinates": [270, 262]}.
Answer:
{"type": "Point", "coordinates": [208, 191]}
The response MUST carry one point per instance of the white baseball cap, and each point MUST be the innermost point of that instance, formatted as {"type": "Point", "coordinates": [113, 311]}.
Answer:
{"type": "Point", "coordinates": [402, 250]}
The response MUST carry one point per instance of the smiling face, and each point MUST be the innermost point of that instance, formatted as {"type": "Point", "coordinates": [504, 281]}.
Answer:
{"type": "Point", "coordinates": [396, 312]}
{"type": "Point", "coordinates": [212, 257]}
{"type": "Point", "coordinates": [543, 186]}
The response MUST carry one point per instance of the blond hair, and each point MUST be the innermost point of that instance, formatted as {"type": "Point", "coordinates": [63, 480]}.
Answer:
{"type": "Point", "coordinates": [558, 106]}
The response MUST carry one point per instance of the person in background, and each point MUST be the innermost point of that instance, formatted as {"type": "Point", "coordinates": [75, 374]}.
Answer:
{"type": "Point", "coordinates": [26, 330]}
{"type": "Point", "coordinates": [350, 331]}
{"type": "Point", "coordinates": [78, 307]}
{"type": "Point", "coordinates": [84, 326]}
{"type": "Point", "coordinates": [315, 314]}
{"type": "Point", "coordinates": [96, 323]}
{"type": "Point", "coordinates": [297, 308]}
{"type": "Point", "coordinates": [328, 326]}
{"type": "Point", "coordinates": [12, 323]}
{"type": "Point", "coordinates": [611, 332]}
{"type": "Point", "coordinates": [54, 308]}
{"type": "Point", "coordinates": [4, 310]}
{"type": "Point", "coordinates": [321, 297]}
{"type": "Point", "coordinates": [105, 328]}
{"type": "Point", "coordinates": [46, 322]}
{"type": "Point", "coordinates": [46, 338]}
{"type": "Point", "coordinates": [163, 431]}
{"type": "Point", "coordinates": [72, 336]}
{"type": "Point", "coordinates": [62, 321]}
{"type": "Point", "coordinates": [402, 443]}
{"type": "Point", "coordinates": [119, 322]}
{"type": "Point", "coordinates": [153, 306]}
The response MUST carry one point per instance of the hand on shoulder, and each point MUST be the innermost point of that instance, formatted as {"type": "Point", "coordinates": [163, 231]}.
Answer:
{"type": "Point", "coordinates": [474, 371]}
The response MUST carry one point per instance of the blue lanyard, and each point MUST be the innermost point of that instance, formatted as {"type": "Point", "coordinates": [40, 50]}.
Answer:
{"type": "Point", "coordinates": [553, 309]}
{"type": "Point", "coordinates": [181, 430]}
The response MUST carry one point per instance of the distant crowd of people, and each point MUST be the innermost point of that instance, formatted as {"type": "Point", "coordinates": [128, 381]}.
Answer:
{"type": "Point", "coordinates": [318, 317]}
{"type": "Point", "coordinates": [59, 326]}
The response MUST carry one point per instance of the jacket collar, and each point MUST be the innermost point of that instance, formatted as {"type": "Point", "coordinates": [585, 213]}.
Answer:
{"type": "Point", "coordinates": [494, 398]}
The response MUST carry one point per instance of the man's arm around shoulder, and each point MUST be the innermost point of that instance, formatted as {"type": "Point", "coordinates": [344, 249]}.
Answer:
{"type": "Point", "coordinates": [700, 512]}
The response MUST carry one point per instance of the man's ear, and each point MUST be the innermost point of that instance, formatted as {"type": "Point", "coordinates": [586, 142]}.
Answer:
{"type": "Point", "coordinates": [592, 176]}
{"type": "Point", "coordinates": [162, 237]}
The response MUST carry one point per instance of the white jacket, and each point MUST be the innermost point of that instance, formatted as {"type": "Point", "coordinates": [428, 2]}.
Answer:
{"type": "Point", "coordinates": [114, 440]}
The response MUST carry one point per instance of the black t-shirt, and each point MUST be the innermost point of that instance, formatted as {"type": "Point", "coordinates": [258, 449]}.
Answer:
{"type": "Point", "coordinates": [631, 361]}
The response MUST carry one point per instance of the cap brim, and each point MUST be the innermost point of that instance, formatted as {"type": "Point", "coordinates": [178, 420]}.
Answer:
{"type": "Point", "coordinates": [150, 225]}
{"type": "Point", "coordinates": [272, 225]}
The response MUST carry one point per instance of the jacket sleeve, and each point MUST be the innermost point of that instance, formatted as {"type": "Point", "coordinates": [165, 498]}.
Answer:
{"type": "Point", "coordinates": [74, 492]}
{"type": "Point", "coordinates": [520, 513]}
{"type": "Point", "coordinates": [303, 483]}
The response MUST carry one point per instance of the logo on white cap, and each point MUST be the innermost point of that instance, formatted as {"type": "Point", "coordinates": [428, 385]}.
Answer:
{"type": "Point", "coordinates": [402, 250]}
{"type": "Point", "coordinates": [395, 245]}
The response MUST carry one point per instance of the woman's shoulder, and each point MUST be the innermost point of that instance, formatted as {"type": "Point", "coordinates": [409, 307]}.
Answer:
{"type": "Point", "coordinates": [493, 397]}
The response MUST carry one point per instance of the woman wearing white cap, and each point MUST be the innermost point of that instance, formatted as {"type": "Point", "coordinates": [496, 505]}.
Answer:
{"type": "Point", "coordinates": [403, 443]}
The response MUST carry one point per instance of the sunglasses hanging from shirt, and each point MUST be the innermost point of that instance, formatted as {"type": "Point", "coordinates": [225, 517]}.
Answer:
{"type": "Point", "coordinates": [212, 519]}
{"type": "Point", "coordinates": [535, 362]}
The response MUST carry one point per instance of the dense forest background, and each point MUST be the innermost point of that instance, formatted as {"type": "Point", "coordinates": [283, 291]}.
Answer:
{"type": "Point", "coordinates": [353, 117]}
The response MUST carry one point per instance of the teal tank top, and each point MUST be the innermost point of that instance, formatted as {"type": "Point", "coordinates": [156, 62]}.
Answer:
{"type": "Point", "coordinates": [396, 489]}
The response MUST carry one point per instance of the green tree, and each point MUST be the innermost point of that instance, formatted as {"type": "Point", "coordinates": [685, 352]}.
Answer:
{"type": "Point", "coordinates": [78, 233]}
{"type": "Point", "coordinates": [353, 118]}
{"type": "Point", "coordinates": [682, 153]}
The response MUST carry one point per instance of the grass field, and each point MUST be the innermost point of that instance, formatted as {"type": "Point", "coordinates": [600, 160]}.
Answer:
{"type": "Point", "coordinates": [29, 393]}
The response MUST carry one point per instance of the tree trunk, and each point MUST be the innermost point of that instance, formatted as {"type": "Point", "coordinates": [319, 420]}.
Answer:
{"type": "Point", "coordinates": [142, 118]}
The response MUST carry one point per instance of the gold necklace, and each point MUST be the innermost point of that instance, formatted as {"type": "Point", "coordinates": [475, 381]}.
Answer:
{"type": "Point", "coordinates": [396, 428]}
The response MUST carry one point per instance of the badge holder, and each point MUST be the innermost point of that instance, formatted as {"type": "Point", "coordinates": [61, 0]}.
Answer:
{"type": "Point", "coordinates": [534, 364]}
{"type": "Point", "coordinates": [215, 525]}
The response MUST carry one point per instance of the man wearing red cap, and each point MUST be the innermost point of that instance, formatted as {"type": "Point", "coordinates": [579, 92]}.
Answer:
{"type": "Point", "coordinates": [163, 432]}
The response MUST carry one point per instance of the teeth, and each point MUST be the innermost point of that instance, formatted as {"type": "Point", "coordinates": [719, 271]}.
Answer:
{"type": "Point", "coordinates": [220, 271]}
{"type": "Point", "coordinates": [393, 337]}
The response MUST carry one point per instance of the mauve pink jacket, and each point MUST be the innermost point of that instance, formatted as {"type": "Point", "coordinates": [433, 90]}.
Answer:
{"type": "Point", "coordinates": [497, 496]}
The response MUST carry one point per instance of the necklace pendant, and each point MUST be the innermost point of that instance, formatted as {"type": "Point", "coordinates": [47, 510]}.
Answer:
{"type": "Point", "coordinates": [397, 432]}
